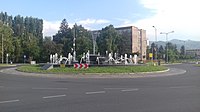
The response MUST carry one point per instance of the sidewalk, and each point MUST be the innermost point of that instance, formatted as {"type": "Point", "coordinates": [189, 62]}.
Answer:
{"type": "Point", "coordinates": [169, 72]}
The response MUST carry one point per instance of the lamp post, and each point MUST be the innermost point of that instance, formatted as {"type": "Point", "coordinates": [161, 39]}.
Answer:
{"type": "Point", "coordinates": [2, 48]}
{"type": "Point", "coordinates": [156, 52]}
{"type": "Point", "coordinates": [24, 58]}
{"type": "Point", "coordinates": [166, 33]}
{"type": "Point", "coordinates": [93, 41]}
{"type": "Point", "coordinates": [7, 58]}
{"type": "Point", "coordinates": [74, 45]}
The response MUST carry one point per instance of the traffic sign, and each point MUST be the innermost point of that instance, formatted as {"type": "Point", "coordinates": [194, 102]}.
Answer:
{"type": "Point", "coordinates": [85, 66]}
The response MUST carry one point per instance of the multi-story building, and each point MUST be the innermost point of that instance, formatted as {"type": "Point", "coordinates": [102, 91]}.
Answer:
{"type": "Point", "coordinates": [193, 52]}
{"type": "Point", "coordinates": [135, 40]}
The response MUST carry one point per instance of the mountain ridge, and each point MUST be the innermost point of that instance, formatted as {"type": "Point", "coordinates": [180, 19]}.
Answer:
{"type": "Point", "coordinates": [189, 44]}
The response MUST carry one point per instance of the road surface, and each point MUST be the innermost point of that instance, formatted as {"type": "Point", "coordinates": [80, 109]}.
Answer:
{"type": "Point", "coordinates": [177, 93]}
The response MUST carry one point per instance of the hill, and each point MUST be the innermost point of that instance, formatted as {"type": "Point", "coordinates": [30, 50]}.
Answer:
{"type": "Point", "coordinates": [189, 44]}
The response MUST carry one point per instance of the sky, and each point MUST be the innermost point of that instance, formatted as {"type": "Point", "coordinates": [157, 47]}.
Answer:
{"type": "Point", "coordinates": [180, 16]}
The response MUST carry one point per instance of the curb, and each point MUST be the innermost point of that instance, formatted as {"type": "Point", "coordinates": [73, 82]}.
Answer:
{"type": "Point", "coordinates": [167, 72]}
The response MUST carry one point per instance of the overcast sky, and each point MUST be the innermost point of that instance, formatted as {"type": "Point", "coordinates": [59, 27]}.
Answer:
{"type": "Point", "coordinates": [180, 16]}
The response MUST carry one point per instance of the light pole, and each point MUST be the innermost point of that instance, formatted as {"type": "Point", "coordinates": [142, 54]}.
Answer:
{"type": "Point", "coordinates": [74, 45]}
{"type": "Point", "coordinates": [167, 43]}
{"type": "Point", "coordinates": [7, 58]}
{"type": "Point", "coordinates": [93, 41]}
{"type": "Point", "coordinates": [24, 58]}
{"type": "Point", "coordinates": [2, 48]}
{"type": "Point", "coordinates": [156, 52]}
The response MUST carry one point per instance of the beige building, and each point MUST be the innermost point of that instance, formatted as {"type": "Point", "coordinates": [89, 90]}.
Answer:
{"type": "Point", "coordinates": [135, 40]}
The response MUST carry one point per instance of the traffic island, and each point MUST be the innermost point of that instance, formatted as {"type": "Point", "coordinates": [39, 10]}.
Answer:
{"type": "Point", "coordinates": [102, 70]}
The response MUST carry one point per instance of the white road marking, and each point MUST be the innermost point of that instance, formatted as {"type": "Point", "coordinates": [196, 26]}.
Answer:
{"type": "Point", "coordinates": [9, 101]}
{"type": "Point", "coordinates": [126, 90]}
{"type": "Point", "coordinates": [51, 88]}
{"type": "Point", "coordinates": [56, 96]}
{"type": "Point", "coordinates": [177, 87]}
{"type": "Point", "coordinates": [95, 92]}
{"type": "Point", "coordinates": [115, 88]}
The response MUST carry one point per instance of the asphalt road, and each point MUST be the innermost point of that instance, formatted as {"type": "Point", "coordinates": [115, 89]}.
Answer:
{"type": "Point", "coordinates": [178, 93]}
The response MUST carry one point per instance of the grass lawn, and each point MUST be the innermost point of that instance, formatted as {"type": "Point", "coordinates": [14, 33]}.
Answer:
{"type": "Point", "coordinates": [6, 65]}
{"type": "Point", "coordinates": [198, 65]}
{"type": "Point", "coordinates": [115, 69]}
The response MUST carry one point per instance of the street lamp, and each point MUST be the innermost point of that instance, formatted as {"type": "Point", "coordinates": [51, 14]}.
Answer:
{"type": "Point", "coordinates": [74, 45]}
{"type": "Point", "coordinates": [7, 58]}
{"type": "Point", "coordinates": [24, 58]}
{"type": "Point", "coordinates": [166, 42]}
{"type": "Point", "coordinates": [156, 52]}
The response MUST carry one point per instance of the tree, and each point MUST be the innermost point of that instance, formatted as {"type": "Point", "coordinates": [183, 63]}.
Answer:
{"type": "Point", "coordinates": [83, 40]}
{"type": "Point", "coordinates": [64, 37]}
{"type": "Point", "coordinates": [64, 32]}
{"type": "Point", "coordinates": [125, 40]}
{"type": "Point", "coordinates": [109, 40]}
{"type": "Point", "coordinates": [31, 47]}
{"type": "Point", "coordinates": [148, 51]}
{"type": "Point", "coordinates": [6, 36]}
{"type": "Point", "coordinates": [18, 26]}
{"type": "Point", "coordinates": [172, 51]}
{"type": "Point", "coordinates": [153, 50]}
{"type": "Point", "coordinates": [161, 52]}
{"type": "Point", "coordinates": [182, 52]}
{"type": "Point", "coordinates": [48, 48]}
{"type": "Point", "coordinates": [17, 55]}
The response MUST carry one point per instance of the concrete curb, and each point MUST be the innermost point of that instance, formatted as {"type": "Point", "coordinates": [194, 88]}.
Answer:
{"type": "Point", "coordinates": [168, 72]}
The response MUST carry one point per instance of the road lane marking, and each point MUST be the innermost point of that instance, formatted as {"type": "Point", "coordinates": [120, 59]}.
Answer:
{"type": "Point", "coordinates": [115, 88]}
{"type": "Point", "coordinates": [179, 87]}
{"type": "Point", "coordinates": [95, 92]}
{"type": "Point", "coordinates": [55, 96]}
{"type": "Point", "coordinates": [51, 88]}
{"type": "Point", "coordinates": [127, 90]}
{"type": "Point", "coordinates": [9, 101]}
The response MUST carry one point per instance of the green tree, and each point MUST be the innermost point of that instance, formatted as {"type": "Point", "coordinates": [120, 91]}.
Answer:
{"type": "Point", "coordinates": [64, 37]}
{"type": "Point", "coordinates": [154, 50]}
{"type": "Point", "coordinates": [148, 51]}
{"type": "Point", "coordinates": [109, 40]}
{"type": "Point", "coordinates": [48, 48]}
{"type": "Point", "coordinates": [6, 37]}
{"type": "Point", "coordinates": [31, 47]}
{"type": "Point", "coordinates": [182, 52]}
{"type": "Point", "coordinates": [161, 52]}
{"type": "Point", "coordinates": [173, 53]}
{"type": "Point", "coordinates": [125, 40]}
{"type": "Point", "coordinates": [17, 55]}
{"type": "Point", "coordinates": [83, 40]}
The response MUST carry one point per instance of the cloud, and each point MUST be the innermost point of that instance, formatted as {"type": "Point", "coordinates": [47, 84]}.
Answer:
{"type": "Point", "coordinates": [50, 27]}
{"type": "Point", "coordinates": [93, 21]}
{"type": "Point", "coordinates": [178, 15]}
{"type": "Point", "coordinates": [91, 24]}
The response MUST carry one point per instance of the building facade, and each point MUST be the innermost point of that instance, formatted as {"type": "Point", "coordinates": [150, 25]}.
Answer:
{"type": "Point", "coordinates": [193, 53]}
{"type": "Point", "coordinates": [134, 39]}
